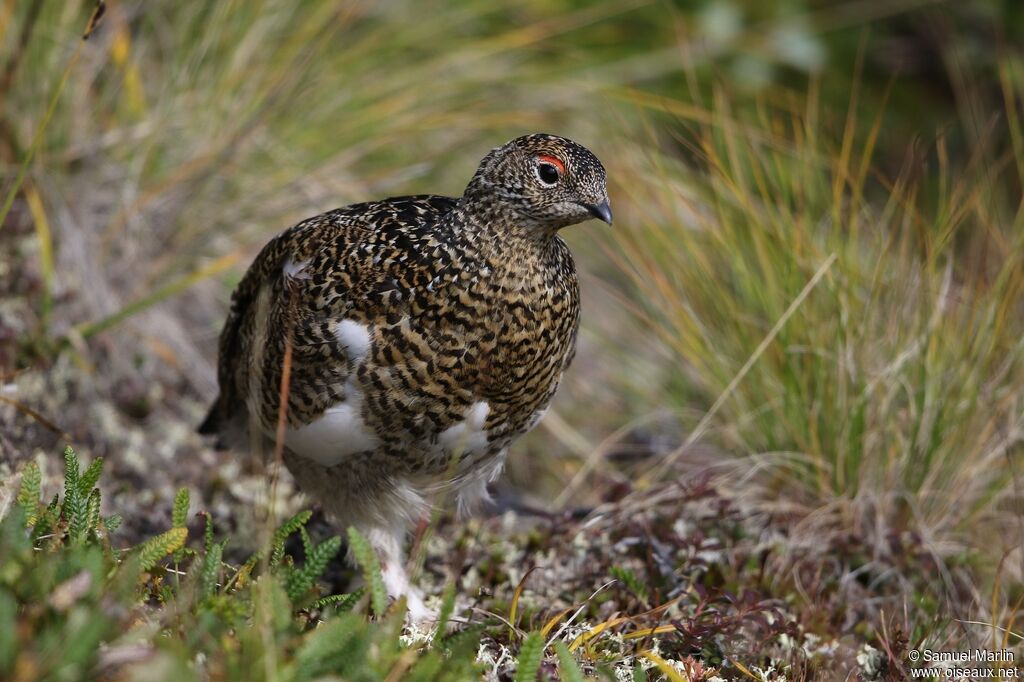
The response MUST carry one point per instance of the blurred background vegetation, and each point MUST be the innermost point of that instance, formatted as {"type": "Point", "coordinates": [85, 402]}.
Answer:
{"type": "Point", "coordinates": [814, 289]}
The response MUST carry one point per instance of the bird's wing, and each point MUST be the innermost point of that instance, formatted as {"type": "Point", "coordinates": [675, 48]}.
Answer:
{"type": "Point", "coordinates": [309, 276]}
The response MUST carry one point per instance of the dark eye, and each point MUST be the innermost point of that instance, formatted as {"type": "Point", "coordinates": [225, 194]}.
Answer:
{"type": "Point", "coordinates": [547, 173]}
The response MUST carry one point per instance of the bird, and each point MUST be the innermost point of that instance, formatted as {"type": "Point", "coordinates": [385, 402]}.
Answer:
{"type": "Point", "coordinates": [424, 335]}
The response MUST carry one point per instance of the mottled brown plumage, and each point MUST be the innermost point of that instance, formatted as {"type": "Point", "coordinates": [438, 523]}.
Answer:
{"type": "Point", "coordinates": [427, 334]}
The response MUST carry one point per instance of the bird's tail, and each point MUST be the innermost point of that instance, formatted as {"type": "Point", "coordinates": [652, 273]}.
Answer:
{"type": "Point", "coordinates": [211, 425]}
{"type": "Point", "coordinates": [228, 428]}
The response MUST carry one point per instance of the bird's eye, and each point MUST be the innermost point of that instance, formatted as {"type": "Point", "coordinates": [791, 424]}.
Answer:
{"type": "Point", "coordinates": [547, 173]}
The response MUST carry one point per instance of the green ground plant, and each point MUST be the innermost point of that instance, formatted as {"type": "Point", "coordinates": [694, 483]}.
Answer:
{"type": "Point", "coordinates": [75, 607]}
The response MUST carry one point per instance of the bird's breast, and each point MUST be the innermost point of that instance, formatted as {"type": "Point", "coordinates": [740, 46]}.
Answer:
{"type": "Point", "coordinates": [463, 366]}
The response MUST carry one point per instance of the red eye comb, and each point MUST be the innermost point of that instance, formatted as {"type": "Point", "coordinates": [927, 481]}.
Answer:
{"type": "Point", "coordinates": [556, 162]}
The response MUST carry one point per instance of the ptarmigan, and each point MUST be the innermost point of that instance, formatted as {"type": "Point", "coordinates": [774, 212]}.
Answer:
{"type": "Point", "coordinates": [427, 334]}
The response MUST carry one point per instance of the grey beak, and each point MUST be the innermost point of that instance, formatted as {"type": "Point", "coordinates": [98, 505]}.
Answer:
{"type": "Point", "coordinates": [601, 211]}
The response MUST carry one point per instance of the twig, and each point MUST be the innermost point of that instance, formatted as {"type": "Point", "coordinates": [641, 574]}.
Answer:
{"type": "Point", "coordinates": [25, 409]}
{"type": "Point", "coordinates": [282, 404]}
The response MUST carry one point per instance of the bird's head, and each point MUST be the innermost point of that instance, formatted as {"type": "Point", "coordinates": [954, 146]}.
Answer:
{"type": "Point", "coordinates": [545, 181]}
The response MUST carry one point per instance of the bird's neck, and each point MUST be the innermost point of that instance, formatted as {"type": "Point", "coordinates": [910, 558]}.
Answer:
{"type": "Point", "coordinates": [502, 243]}
{"type": "Point", "coordinates": [496, 231]}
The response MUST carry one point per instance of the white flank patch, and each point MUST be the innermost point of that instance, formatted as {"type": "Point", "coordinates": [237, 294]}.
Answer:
{"type": "Point", "coordinates": [295, 269]}
{"type": "Point", "coordinates": [339, 432]}
{"type": "Point", "coordinates": [354, 338]}
{"type": "Point", "coordinates": [468, 435]}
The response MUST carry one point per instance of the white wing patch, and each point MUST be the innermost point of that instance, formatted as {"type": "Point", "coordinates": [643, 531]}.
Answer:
{"type": "Point", "coordinates": [469, 435]}
{"type": "Point", "coordinates": [354, 338]}
{"type": "Point", "coordinates": [339, 432]}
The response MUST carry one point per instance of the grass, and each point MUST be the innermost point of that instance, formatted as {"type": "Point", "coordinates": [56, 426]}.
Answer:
{"type": "Point", "coordinates": [858, 380]}
{"type": "Point", "coordinates": [889, 402]}
{"type": "Point", "coordinates": [791, 440]}
{"type": "Point", "coordinates": [859, 370]}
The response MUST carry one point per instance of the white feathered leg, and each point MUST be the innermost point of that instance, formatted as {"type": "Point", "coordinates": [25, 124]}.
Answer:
{"type": "Point", "coordinates": [388, 542]}
{"type": "Point", "coordinates": [380, 507]}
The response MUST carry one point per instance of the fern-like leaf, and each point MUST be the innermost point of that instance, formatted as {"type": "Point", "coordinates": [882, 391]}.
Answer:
{"type": "Point", "coordinates": [301, 579]}
{"type": "Point", "coordinates": [71, 470]}
{"type": "Point", "coordinates": [179, 515]}
{"type": "Point", "coordinates": [208, 532]}
{"type": "Point", "coordinates": [88, 480]}
{"type": "Point", "coordinates": [155, 549]}
{"type": "Point", "coordinates": [92, 511]}
{"type": "Point", "coordinates": [74, 507]}
{"type": "Point", "coordinates": [76, 513]}
{"type": "Point", "coordinates": [210, 574]}
{"type": "Point", "coordinates": [340, 602]}
{"type": "Point", "coordinates": [290, 526]}
{"type": "Point", "coordinates": [112, 523]}
{"type": "Point", "coordinates": [530, 655]}
{"type": "Point", "coordinates": [30, 492]}
{"type": "Point", "coordinates": [367, 559]}
{"type": "Point", "coordinates": [568, 668]}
